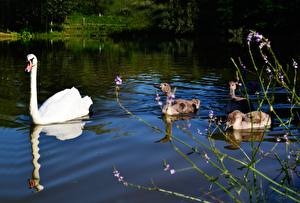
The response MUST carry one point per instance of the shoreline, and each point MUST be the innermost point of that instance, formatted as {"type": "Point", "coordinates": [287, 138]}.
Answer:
{"type": "Point", "coordinates": [8, 36]}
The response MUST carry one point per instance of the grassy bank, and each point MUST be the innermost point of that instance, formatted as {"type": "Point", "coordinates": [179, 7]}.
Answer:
{"type": "Point", "coordinates": [95, 26]}
{"type": "Point", "coordinates": [8, 36]}
{"type": "Point", "coordinates": [87, 26]}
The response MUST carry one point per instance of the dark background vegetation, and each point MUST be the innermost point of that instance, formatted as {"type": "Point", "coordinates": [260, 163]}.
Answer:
{"type": "Point", "coordinates": [180, 17]}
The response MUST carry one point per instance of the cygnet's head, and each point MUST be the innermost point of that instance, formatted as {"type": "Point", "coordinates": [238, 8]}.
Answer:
{"type": "Point", "coordinates": [196, 102]}
{"type": "Point", "coordinates": [232, 85]}
{"type": "Point", "coordinates": [31, 62]}
{"type": "Point", "coordinates": [233, 117]}
{"type": "Point", "coordinates": [165, 87]}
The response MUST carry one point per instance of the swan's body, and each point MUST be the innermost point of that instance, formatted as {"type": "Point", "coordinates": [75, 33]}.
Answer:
{"type": "Point", "coordinates": [62, 106]}
{"type": "Point", "coordinates": [236, 102]}
{"type": "Point", "coordinates": [255, 119]}
{"type": "Point", "coordinates": [178, 106]}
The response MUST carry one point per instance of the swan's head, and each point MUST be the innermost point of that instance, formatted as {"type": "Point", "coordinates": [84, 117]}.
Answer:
{"type": "Point", "coordinates": [31, 62]}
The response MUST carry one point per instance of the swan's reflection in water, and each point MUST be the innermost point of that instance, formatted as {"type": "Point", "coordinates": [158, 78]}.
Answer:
{"type": "Point", "coordinates": [63, 131]}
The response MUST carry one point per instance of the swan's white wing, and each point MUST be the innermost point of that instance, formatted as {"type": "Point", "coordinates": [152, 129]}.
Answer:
{"type": "Point", "coordinates": [53, 99]}
{"type": "Point", "coordinates": [65, 105]}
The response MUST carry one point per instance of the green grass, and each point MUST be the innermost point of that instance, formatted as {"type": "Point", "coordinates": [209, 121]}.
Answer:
{"type": "Point", "coordinates": [9, 36]}
{"type": "Point", "coordinates": [95, 26]}
{"type": "Point", "coordinates": [125, 16]}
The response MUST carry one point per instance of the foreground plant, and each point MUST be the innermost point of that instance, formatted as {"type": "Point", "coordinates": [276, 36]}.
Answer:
{"type": "Point", "coordinates": [253, 182]}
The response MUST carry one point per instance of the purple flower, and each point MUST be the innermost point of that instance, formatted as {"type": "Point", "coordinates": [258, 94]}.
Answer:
{"type": "Point", "coordinates": [157, 98]}
{"type": "Point", "coordinates": [116, 173]}
{"type": "Point", "coordinates": [167, 167]}
{"type": "Point", "coordinates": [171, 96]}
{"type": "Point", "coordinates": [281, 77]}
{"type": "Point", "coordinates": [120, 178]}
{"type": "Point", "coordinates": [265, 58]}
{"type": "Point", "coordinates": [249, 37]}
{"type": "Point", "coordinates": [295, 64]}
{"type": "Point", "coordinates": [243, 66]}
{"type": "Point", "coordinates": [285, 136]}
{"type": "Point", "coordinates": [211, 114]}
{"type": "Point", "coordinates": [265, 43]}
{"type": "Point", "coordinates": [199, 131]}
{"type": "Point", "coordinates": [255, 36]}
{"type": "Point", "coordinates": [206, 157]}
{"type": "Point", "coordinates": [269, 71]}
{"type": "Point", "coordinates": [258, 37]}
{"type": "Point", "coordinates": [118, 80]}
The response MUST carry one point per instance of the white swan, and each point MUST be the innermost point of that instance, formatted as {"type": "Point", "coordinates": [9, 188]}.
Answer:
{"type": "Point", "coordinates": [62, 106]}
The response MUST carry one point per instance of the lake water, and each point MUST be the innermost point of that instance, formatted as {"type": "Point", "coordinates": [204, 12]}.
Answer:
{"type": "Point", "coordinates": [73, 162]}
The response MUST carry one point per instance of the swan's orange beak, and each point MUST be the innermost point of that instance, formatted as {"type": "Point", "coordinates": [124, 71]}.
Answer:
{"type": "Point", "coordinates": [29, 66]}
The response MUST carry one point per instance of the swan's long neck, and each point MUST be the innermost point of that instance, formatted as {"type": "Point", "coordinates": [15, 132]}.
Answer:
{"type": "Point", "coordinates": [34, 112]}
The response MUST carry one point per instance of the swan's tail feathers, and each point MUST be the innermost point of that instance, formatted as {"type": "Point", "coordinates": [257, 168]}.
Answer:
{"type": "Point", "coordinates": [87, 101]}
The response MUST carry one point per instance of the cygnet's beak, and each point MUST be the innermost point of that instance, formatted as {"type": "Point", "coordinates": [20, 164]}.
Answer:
{"type": "Point", "coordinates": [227, 125]}
{"type": "Point", "coordinates": [158, 86]}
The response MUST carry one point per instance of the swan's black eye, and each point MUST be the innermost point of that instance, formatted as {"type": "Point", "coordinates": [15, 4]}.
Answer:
{"type": "Point", "coordinates": [31, 60]}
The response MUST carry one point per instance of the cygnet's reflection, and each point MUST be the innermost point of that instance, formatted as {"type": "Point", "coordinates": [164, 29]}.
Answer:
{"type": "Point", "coordinates": [236, 137]}
{"type": "Point", "coordinates": [169, 120]}
{"type": "Point", "coordinates": [63, 131]}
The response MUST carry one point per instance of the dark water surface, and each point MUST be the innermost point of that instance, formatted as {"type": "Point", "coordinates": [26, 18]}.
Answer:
{"type": "Point", "coordinates": [73, 162]}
